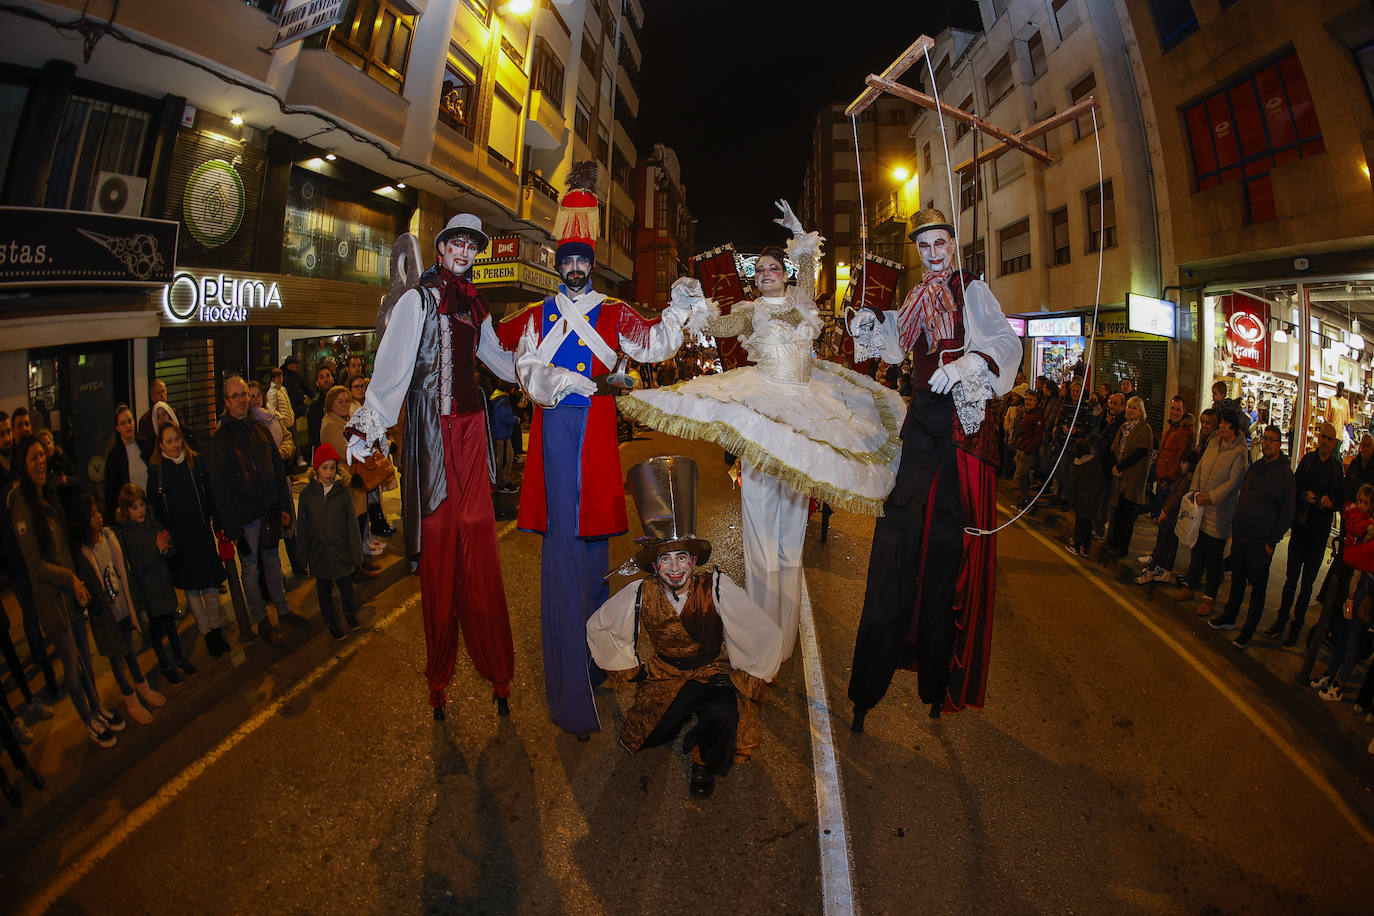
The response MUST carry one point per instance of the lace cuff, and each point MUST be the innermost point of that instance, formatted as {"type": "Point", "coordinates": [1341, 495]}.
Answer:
{"type": "Point", "coordinates": [366, 423]}
{"type": "Point", "coordinates": [972, 391]}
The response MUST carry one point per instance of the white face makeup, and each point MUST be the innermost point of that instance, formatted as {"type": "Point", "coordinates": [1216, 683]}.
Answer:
{"type": "Point", "coordinates": [936, 248]}
{"type": "Point", "coordinates": [457, 254]}
{"type": "Point", "coordinates": [674, 568]}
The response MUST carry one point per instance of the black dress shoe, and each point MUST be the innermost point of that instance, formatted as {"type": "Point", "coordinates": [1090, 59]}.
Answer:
{"type": "Point", "coordinates": [936, 708]}
{"type": "Point", "coordinates": [439, 714]}
{"type": "Point", "coordinates": [502, 705]}
{"type": "Point", "coordinates": [1275, 631]}
{"type": "Point", "coordinates": [34, 779]}
{"type": "Point", "coordinates": [267, 634]}
{"type": "Point", "coordinates": [858, 724]}
{"type": "Point", "coordinates": [1291, 639]}
{"type": "Point", "coordinates": [702, 783]}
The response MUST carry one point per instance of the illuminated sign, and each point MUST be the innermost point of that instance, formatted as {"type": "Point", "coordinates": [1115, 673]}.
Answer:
{"type": "Point", "coordinates": [302, 18]}
{"type": "Point", "coordinates": [1151, 316]}
{"type": "Point", "coordinates": [1247, 332]}
{"type": "Point", "coordinates": [504, 248]}
{"type": "Point", "coordinates": [1018, 326]}
{"type": "Point", "coordinates": [217, 298]}
{"type": "Point", "coordinates": [1070, 326]}
{"type": "Point", "coordinates": [517, 273]}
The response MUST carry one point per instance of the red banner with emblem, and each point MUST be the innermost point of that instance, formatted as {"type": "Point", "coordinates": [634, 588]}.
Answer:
{"type": "Point", "coordinates": [720, 281]}
{"type": "Point", "coordinates": [1247, 332]}
{"type": "Point", "coordinates": [873, 285]}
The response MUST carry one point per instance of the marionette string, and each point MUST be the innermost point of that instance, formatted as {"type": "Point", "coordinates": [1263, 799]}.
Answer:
{"type": "Point", "coordinates": [863, 216]}
{"type": "Point", "coordinates": [1087, 360]}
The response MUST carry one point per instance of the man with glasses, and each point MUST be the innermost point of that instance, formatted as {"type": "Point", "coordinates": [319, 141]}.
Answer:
{"type": "Point", "coordinates": [1264, 511]}
{"type": "Point", "coordinates": [1321, 491]}
{"type": "Point", "coordinates": [253, 500]}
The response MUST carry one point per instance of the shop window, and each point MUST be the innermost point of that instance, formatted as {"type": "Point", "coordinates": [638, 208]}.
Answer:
{"type": "Point", "coordinates": [1101, 208]}
{"type": "Point", "coordinates": [1083, 125]}
{"type": "Point", "coordinates": [1066, 16]}
{"type": "Point", "coordinates": [1174, 20]}
{"type": "Point", "coordinates": [961, 128]}
{"type": "Point", "coordinates": [1059, 233]}
{"type": "Point", "coordinates": [1241, 132]}
{"type": "Point", "coordinates": [967, 187]}
{"type": "Point", "coordinates": [95, 136]}
{"type": "Point", "coordinates": [582, 121]}
{"type": "Point", "coordinates": [337, 232]}
{"type": "Point", "coordinates": [503, 139]}
{"type": "Point", "coordinates": [547, 73]}
{"type": "Point", "coordinates": [998, 82]}
{"type": "Point", "coordinates": [458, 96]}
{"type": "Point", "coordinates": [1035, 50]}
{"type": "Point", "coordinates": [1013, 245]}
{"type": "Point", "coordinates": [974, 257]}
{"type": "Point", "coordinates": [374, 36]}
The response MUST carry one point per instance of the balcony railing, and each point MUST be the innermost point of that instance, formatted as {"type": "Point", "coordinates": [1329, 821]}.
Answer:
{"type": "Point", "coordinates": [543, 187]}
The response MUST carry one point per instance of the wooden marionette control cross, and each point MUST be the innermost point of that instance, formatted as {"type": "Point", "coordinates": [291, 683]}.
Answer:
{"type": "Point", "coordinates": [877, 85]}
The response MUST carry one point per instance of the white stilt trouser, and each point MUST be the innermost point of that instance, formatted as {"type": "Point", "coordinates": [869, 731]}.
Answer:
{"type": "Point", "coordinates": [774, 535]}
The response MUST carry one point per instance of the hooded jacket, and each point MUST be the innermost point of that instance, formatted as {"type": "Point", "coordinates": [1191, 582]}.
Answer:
{"type": "Point", "coordinates": [1173, 444]}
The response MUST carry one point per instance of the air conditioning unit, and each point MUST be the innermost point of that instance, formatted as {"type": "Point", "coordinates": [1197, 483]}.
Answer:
{"type": "Point", "coordinates": [118, 195]}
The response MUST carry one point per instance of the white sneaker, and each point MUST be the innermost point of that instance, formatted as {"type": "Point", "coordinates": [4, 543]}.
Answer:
{"type": "Point", "coordinates": [1147, 560]}
{"type": "Point", "coordinates": [1163, 575]}
{"type": "Point", "coordinates": [1332, 693]}
{"type": "Point", "coordinates": [97, 732]}
{"type": "Point", "coordinates": [1319, 683]}
{"type": "Point", "coordinates": [1146, 575]}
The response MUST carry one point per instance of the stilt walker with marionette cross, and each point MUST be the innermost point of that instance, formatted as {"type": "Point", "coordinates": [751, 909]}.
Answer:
{"type": "Point", "coordinates": [929, 595]}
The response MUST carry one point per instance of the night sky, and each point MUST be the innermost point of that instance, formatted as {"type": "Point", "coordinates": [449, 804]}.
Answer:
{"type": "Point", "coordinates": [734, 87]}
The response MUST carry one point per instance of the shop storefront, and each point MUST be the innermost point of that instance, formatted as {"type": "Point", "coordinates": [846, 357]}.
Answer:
{"type": "Point", "coordinates": [75, 309]}
{"type": "Point", "coordinates": [514, 272]}
{"type": "Point", "coordinates": [1057, 345]}
{"type": "Point", "coordinates": [1257, 348]}
{"type": "Point", "coordinates": [1122, 353]}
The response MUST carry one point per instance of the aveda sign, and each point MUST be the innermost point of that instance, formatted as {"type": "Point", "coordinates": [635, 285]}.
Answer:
{"type": "Point", "coordinates": [217, 298]}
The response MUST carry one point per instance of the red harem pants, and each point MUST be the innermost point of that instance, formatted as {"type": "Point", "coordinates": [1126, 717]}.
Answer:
{"type": "Point", "coordinates": [460, 571]}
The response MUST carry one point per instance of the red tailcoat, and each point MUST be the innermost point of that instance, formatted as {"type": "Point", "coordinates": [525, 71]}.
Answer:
{"type": "Point", "coordinates": [601, 511]}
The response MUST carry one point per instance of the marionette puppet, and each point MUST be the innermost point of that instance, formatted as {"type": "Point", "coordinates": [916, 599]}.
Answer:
{"type": "Point", "coordinates": [928, 600]}
{"type": "Point", "coordinates": [565, 351]}
{"type": "Point", "coordinates": [711, 649]}
{"type": "Point", "coordinates": [431, 336]}
{"type": "Point", "coordinates": [802, 427]}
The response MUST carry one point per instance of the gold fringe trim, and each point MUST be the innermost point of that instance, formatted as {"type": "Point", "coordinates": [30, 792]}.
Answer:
{"type": "Point", "coordinates": [730, 439]}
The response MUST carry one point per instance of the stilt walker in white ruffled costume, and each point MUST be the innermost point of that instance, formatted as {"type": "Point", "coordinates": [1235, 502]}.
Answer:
{"type": "Point", "coordinates": [802, 427]}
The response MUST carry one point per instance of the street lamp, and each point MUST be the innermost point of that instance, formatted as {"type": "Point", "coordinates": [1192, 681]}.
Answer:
{"type": "Point", "coordinates": [517, 7]}
{"type": "Point", "coordinates": [900, 173]}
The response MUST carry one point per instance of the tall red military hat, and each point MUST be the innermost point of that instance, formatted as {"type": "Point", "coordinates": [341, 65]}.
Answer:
{"type": "Point", "coordinates": [576, 223]}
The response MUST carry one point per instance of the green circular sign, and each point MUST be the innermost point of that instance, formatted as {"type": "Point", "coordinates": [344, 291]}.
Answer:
{"type": "Point", "coordinates": [213, 203]}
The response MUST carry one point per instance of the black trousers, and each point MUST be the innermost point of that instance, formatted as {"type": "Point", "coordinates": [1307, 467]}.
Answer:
{"type": "Point", "coordinates": [11, 743]}
{"type": "Point", "coordinates": [162, 628]}
{"type": "Point", "coordinates": [1306, 549]}
{"type": "Point", "coordinates": [716, 708]}
{"type": "Point", "coordinates": [324, 590]}
{"type": "Point", "coordinates": [1250, 564]}
{"type": "Point", "coordinates": [1123, 525]}
{"type": "Point", "coordinates": [16, 669]}
{"type": "Point", "coordinates": [923, 514]}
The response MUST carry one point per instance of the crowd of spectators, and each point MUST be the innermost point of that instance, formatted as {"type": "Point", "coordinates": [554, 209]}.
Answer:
{"type": "Point", "coordinates": [175, 529]}
{"type": "Point", "coordinates": [1222, 481]}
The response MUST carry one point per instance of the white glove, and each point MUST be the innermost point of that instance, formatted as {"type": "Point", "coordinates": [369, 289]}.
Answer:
{"type": "Point", "coordinates": [686, 291]}
{"type": "Point", "coordinates": [359, 450]}
{"type": "Point", "coordinates": [788, 220]}
{"type": "Point", "coordinates": [942, 380]}
{"type": "Point", "coordinates": [568, 382]}
{"type": "Point", "coordinates": [862, 323]}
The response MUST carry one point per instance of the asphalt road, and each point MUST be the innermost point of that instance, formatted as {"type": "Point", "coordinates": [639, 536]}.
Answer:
{"type": "Point", "coordinates": [1116, 768]}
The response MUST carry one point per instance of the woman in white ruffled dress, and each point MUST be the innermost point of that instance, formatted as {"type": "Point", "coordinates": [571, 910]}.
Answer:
{"type": "Point", "coordinates": [802, 427]}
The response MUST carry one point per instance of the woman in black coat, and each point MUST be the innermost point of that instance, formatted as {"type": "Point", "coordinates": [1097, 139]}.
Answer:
{"type": "Point", "coordinates": [126, 461]}
{"type": "Point", "coordinates": [179, 494]}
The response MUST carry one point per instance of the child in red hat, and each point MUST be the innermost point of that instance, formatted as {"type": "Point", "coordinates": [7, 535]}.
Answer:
{"type": "Point", "coordinates": [328, 541]}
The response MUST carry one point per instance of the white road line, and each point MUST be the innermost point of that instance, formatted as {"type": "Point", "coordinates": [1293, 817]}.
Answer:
{"type": "Point", "coordinates": [1294, 756]}
{"type": "Point", "coordinates": [145, 812]}
{"type": "Point", "coordinates": [837, 887]}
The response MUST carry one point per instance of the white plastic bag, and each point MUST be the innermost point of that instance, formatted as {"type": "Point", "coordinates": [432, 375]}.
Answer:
{"type": "Point", "coordinates": [1189, 520]}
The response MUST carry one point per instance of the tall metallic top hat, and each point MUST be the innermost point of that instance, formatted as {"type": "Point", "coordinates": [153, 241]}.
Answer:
{"type": "Point", "coordinates": [665, 493]}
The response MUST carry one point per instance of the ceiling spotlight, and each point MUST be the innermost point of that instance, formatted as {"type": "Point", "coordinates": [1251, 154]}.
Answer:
{"type": "Point", "coordinates": [1280, 336]}
{"type": "Point", "coordinates": [236, 119]}
{"type": "Point", "coordinates": [329, 155]}
{"type": "Point", "coordinates": [401, 185]}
